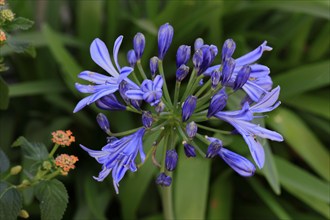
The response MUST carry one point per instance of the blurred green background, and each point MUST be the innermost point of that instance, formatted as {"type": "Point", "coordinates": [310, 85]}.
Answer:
{"type": "Point", "coordinates": [294, 184]}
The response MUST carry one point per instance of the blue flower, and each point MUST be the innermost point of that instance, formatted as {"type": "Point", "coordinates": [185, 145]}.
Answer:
{"type": "Point", "coordinates": [139, 43]}
{"type": "Point", "coordinates": [171, 160]}
{"type": "Point", "coordinates": [259, 81]}
{"type": "Point", "coordinates": [118, 156]}
{"type": "Point", "coordinates": [182, 55]}
{"type": "Point", "coordinates": [110, 103]}
{"type": "Point", "coordinates": [188, 107]}
{"type": "Point", "coordinates": [241, 121]}
{"type": "Point", "coordinates": [165, 36]}
{"type": "Point", "coordinates": [189, 150]}
{"type": "Point", "coordinates": [163, 180]}
{"type": "Point", "coordinates": [238, 163]}
{"type": "Point", "coordinates": [105, 85]}
{"type": "Point", "coordinates": [150, 91]}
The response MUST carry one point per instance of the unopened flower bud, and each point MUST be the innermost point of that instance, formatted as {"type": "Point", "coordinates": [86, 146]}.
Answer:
{"type": "Point", "coordinates": [214, 148]}
{"type": "Point", "coordinates": [46, 165]}
{"type": "Point", "coordinates": [218, 102]}
{"type": "Point", "coordinates": [228, 69]}
{"type": "Point", "coordinates": [215, 78]}
{"type": "Point", "coordinates": [197, 59]}
{"type": "Point", "coordinates": [103, 122]}
{"type": "Point", "coordinates": [189, 150]}
{"type": "Point", "coordinates": [182, 55]}
{"type": "Point", "coordinates": [147, 119]}
{"type": "Point", "coordinates": [153, 66]}
{"type": "Point", "coordinates": [171, 160]}
{"type": "Point", "coordinates": [160, 107]}
{"type": "Point", "coordinates": [139, 43]}
{"type": "Point", "coordinates": [7, 15]}
{"type": "Point", "coordinates": [242, 77]}
{"type": "Point", "coordinates": [199, 42]}
{"type": "Point", "coordinates": [131, 58]}
{"type": "Point", "coordinates": [109, 102]}
{"type": "Point", "coordinates": [182, 72]}
{"type": "Point", "coordinates": [165, 36]}
{"type": "Point", "coordinates": [163, 180]}
{"type": "Point", "coordinates": [228, 49]}
{"type": "Point", "coordinates": [23, 214]}
{"type": "Point", "coordinates": [188, 107]}
{"type": "Point", "coordinates": [15, 170]}
{"type": "Point", "coordinates": [191, 129]}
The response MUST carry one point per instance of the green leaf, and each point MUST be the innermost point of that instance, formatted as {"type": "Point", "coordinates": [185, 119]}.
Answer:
{"type": "Point", "coordinates": [301, 180]}
{"type": "Point", "coordinates": [191, 184]}
{"type": "Point", "coordinates": [53, 199]}
{"type": "Point", "coordinates": [270, 170]}
{"type": "Point", "coordinates": [36, 88]}
{"type": "Point", "coordinates": [10, 202]}
{"type": "Point", "coordinates": [65, 60]}
{"type": "Point", "coordinates": [221, 197]}
{"type": "Point", "coordinates": [134, 185]}
{"type": "Point", "coordinates": [269, 200]}
{"type": "Point", "coordinates": [4, 94]}
{"type": "Point", "coordinates": [33, 151]}
{"type": "Point", "coordinates": [97, 200]}
{"type": "Point", "coordinates": [19, 24]}
{"type": "Point", "coordinates": [305, 78]}
{"type": "Point", "coordinates": [311, 103]}
{"type": "Point", "coordinates": [4, 162]}
{"type": "Point", "coordinates": [301, 139]}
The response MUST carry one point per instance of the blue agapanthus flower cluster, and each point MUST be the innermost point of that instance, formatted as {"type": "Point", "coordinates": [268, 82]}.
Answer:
{"type": "Point", "coordinates": [180, 111]}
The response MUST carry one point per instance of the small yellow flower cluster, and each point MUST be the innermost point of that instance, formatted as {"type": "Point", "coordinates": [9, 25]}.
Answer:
{"type": "Point", "coordinates": [7, 15]}
{"type": "Point", "coordinates": [3, 37]}
{"type": "Point", "coordinates": [63, 138]}
{"type": "Point", "coordinates": [65, 162]}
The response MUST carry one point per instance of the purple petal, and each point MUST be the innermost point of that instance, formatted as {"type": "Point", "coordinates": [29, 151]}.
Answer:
{"type": "Point", "coordinates": [146, 85]}
{"type": "Point", "coordinates": [96, 77]}
{"type": "Point", "coordinates": [238, 163]}
{"type": "Point", "coordinates": [158, 83]}
{"type": "Point", "coordinates": [253, 90]}
{"type": "Point", "coordinates": [267, 102]}
{"type": "Point", "coordinates": [256, 149]}
{"type": "Point", "coordinates": [103, 174]}
{"type": "Point", "coordinates": [100, 55]}
{"type": "Point", "coordinates": [93, 88]}
{"type": "Point", "coordinates": [254, 55]}
{"type": "Point", "coordinates": [258, 70]}
{"type": "Point", "coordinates": [116, 49]}
{"type": "Point", "coordinates": [135, 94]}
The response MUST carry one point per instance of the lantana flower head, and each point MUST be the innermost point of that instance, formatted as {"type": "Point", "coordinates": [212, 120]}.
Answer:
{"type": "Point", "coordinates": [66, 162]}
{"type": "Point", "coordinates": [63, 138]}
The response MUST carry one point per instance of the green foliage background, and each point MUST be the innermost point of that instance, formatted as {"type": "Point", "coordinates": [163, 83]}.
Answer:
{"type": "Point", "coordinates": [295, 181]}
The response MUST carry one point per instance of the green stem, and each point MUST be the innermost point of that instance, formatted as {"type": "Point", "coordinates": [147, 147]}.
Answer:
{"type": "Point", "coordinates": [176, 94]}
{"type": "Point", "coordinates": [51, 154]}
{"type": "Point", "coordinates": [213, 129]}
{"type": "Point", "coordinates": [166, 93]}
{"type": "Point", "coordinates": [206, 85]}
{"type": "Point", "coordinates": [167, 203]}
{"type": "Point", "coordinates": [52, 175]}
{"type": "Point", "coordinates": [135, 78]}
{"type": "Point", "coordinates": [124, 133]}
{"type": "Point", "coordinates": [138, 63]}
{"type": "Point", "coordinates": [131, 109]}
{"type": "Point", "coordinates": [191, 80]}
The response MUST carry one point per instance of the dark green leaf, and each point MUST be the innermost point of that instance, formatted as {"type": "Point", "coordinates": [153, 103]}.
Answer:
{"type": "Point", "coordinates": [36, 88]}
{"type": "Point", "coordinates": [301, 139]}
{"type": "Point", "coordinates": [4, 94]}
{"type": "Point", "coordinates": [53, 199]}
{"type": "Point", "coordinates": [18, 46]}
{"type": "Point", "coordinates": [299, 179]}
{"type": "Point", "coordinates": [10, 202]}
{"type": "Point", "coordinates": [305, 78]}
{"type": "Point", "coordinates": [33, 151]}
{"type": "Point", "coordinates": [19, 23]}
{"type": "Point", "coordinates": [221, 198]}
{"type": "Point", "coordinates": [269, 200]}
{"type": "Point", "coordinates": [4, 162]}
{"type": "Point", "coordinates": [191, 187]}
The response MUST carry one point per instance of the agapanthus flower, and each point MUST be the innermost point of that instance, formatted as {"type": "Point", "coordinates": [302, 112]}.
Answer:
{"type": "Point", "coordinates": [118, 156]}
{"type": "Point", "coordinates": [105, 85]}
{"type": "Point", "coordinates": [241, 121]}
{"type": "Point", "coordinates": [177, 122]}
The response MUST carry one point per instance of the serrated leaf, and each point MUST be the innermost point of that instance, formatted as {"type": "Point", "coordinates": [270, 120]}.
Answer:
{"type": "Point", "coordinates": [4, 94]}
{"type": "Point", "coordinates": [4, 162]}
{"type": "Point", "coordinates": [17, 46]}
{"type": "Point", "coordinates": [19, 24]}
{"type": "Point", "coordinates": [10, 202]}
{"type": "Point", "coordinates": [301, 139]}
{"type": "Point", "coordinates": [53, 199]}
{"type": "Point", "coordinates": [33, 151]}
